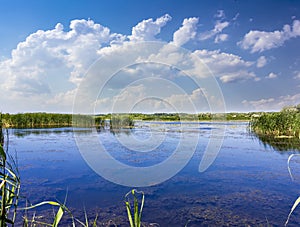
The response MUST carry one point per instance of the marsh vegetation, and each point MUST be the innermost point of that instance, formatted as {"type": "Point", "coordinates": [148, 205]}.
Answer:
{"type": "Point", "coordinates": [118, 120]}
{"type": "Point", "coordinates": [281, 129]}
{"type": "Point", "coordinates": [283, 124]}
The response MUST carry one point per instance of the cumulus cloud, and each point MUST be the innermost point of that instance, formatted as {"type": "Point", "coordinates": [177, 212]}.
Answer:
{"type": "Point", "coordinates": [273, 103]}
{"type": "Point", "coordinates": [148, 29]}
{"type": "Point", "coordinates": [50, 65]}
{"type": "Point", "coordinates": [49, 58]}
{"type": "Point", "coordinates": [46, 56]}
{"type": "Point", "coordinates": [186, 32]}
{"type": "Point", "coordinates": [228, 67]}
{"type": "Point", "coordinates": [259, 41]}
{"type": "Point", "coordinates": [271, 76]}
{"type": "Point", "coordinates": [261, 62]}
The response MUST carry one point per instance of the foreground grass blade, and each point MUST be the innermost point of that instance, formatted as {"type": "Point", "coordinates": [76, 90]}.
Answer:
{"type": "Point", "coordinates": [58, 216]}
{"type": "Point", "coordinates": [128, 208]}
{"type": "Point", "coordinates": [288, 164]}
{"type": "Point", "coordinates": [296, 203]}
{"type": "Point", "coordinates": [62, 208]}
{"type": "Point", "coordinates": [135, 217]}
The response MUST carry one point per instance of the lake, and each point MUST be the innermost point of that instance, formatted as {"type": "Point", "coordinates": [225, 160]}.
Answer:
{"type": "Point", "coordinates": [248, 183]}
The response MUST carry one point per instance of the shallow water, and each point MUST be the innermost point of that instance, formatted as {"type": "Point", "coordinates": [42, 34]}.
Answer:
{"type": "Point", "coordinates": [247, 184]}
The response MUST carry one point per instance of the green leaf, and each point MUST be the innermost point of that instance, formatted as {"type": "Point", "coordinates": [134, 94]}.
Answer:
{"type": "Point", "coordinates": [129, 214]}
{"type": "Point", "coordinates": [95, 221]}
{"type": "Point", "coordinates": [58, 216]}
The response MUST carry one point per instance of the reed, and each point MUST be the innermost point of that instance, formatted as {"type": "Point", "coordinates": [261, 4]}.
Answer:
{"type": "Point", "coordinates": [135, 215]}
{"type": "Point", "coordinates": [10, 189]}
{"type": "Point", "coordinates": [283, 124]}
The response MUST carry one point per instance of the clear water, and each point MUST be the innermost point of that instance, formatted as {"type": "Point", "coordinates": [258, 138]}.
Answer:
{"type": "Point", "coordinates": [247, 184]}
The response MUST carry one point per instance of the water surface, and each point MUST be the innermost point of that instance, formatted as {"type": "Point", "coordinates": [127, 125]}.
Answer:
{"type": "Point", "coordinates": [247, 184]}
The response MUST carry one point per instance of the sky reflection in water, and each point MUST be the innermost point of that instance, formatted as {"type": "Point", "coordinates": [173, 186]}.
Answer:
{"type": "Point", "coordinates": [247, 184]}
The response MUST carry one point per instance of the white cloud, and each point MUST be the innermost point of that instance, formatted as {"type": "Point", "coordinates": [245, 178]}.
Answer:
{"type": "Point", "coordinates": [37, 64]}
{"type": "Point", "coordinates": [228, 67]}
{"type": "Point", "coordinates": [259, 41]}
{"type": "Point", "coordinates": [220, 14]}
{"type": "Point", "coordinates": [271, 76]}
{"type": "Point", "coordinates": [238, 76]}
{"type": "Point", "coordinates": [53, 62]}
{"type": "Point", "coordinates": [272, 103]}
{"type": "Point", "coordinates": [148, 29]}
{"type": "Point", "coordinates": [236, 17]}
{"type": "Point", "coordinates": [49, 65]}
{"type": "Point", "coordinates": [219, 27]}
{"type": "Point", "coordinates": [221, 38]}
{"type": "Point", "coordinates": [194, 102]}
{"type": "Point", "coordinates": [186, 32]}
{"type": "Point", "coordinates": [139, 98]}
{"type": "Point", "coordinates": [297, 75]}
{"type": "Point", "coordinates": [261, 62]}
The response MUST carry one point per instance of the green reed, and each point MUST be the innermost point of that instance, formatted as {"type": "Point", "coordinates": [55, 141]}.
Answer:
{"type": "Point", "coordinates": [135, 215]}
{"type": "Point", "coordinates": [280, 124]}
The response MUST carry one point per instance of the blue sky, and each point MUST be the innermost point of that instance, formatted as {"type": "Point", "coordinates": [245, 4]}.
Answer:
{"type": "Point", "coordinates": [251, 49]}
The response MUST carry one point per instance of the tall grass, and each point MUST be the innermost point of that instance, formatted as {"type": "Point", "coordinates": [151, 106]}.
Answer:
{"type": "Point", "coordinates": [281, 124]}
{"type": "Point", "coordinates": [9, 184]}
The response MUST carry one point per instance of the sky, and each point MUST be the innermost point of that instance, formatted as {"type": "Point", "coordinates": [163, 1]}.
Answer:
{"type": "Point", "coordinates": [149, 56]}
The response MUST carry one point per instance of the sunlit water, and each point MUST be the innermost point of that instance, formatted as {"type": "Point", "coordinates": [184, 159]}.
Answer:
{"type": "Point", "coordinates": [247, 184]}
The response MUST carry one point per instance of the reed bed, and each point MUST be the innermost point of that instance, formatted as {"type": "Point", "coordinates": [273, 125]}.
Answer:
{"type": "Point", "coordinates": [283, 124]}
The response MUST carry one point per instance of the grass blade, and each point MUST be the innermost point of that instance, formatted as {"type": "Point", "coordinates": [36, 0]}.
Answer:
{"type": "Point", "coordinates": [58, 216]}
{"type": "Point", "coordinates": [296, 203]}
{"type": "Point", "coordinates": [128, 208]}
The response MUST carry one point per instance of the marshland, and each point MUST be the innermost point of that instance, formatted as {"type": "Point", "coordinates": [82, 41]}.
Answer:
{"type": "Point", "coordinates": [247, 184]}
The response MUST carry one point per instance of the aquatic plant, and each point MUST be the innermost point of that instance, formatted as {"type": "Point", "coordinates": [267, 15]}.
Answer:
{"type": "Point", "coordinates": [57, 218]}
{"type": "Point", "coordinates": [283, 124]}
{"type": "Point", "coordinates": [9, 183]}
{"type": "Point", "coordinates": [297, 201]}
{"type": "Point", "coordinates": [10, 188]}
{"type": "Point", "coordinates": [118, 121]}
{"type": "Point", "coordinates": [135, 215]}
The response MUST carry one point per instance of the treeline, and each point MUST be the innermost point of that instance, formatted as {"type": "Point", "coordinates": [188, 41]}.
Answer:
{"type": "Point", "coordinates": [285, 123]}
